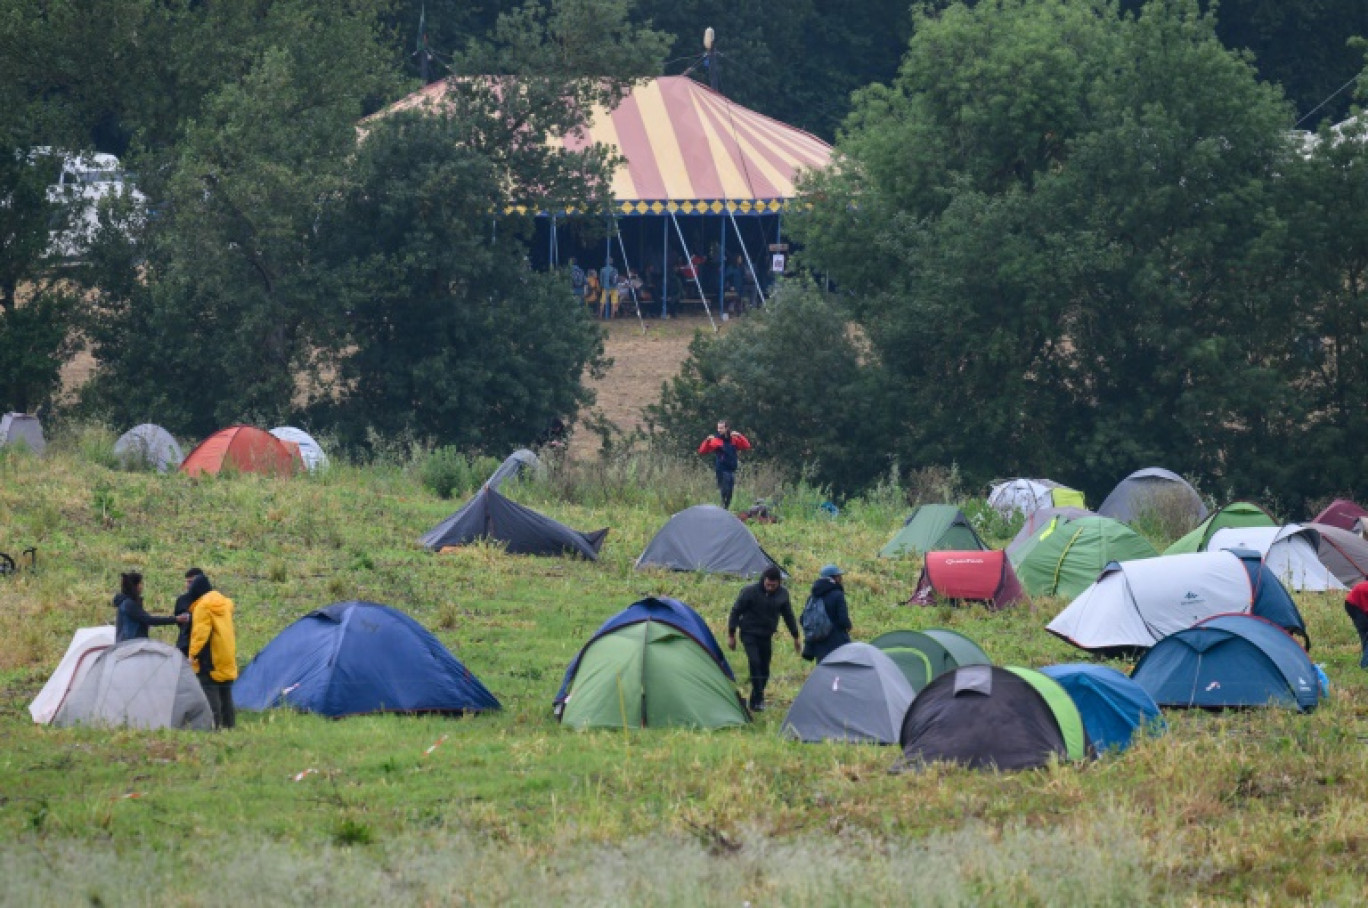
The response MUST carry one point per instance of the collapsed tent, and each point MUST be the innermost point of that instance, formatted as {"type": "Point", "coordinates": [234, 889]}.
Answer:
{"type": "Point", "coordinates": [1153, 490]}
{"type": "Point", "coordinates": [311, 453]}
{"type": "Point", "coordinates": [84, 649]}
{"type": "Point", "coordinates": [1066, 555]}
{"type": "Point", "coordinates": [243, 449]}
{"type": "Point", "coordinates": [1342, 513]}
{"type": "Point", "coordinates": [1036, 520]}
{"type": "Point", "coordinates": [1235, 514]}
{"type": "Point", "coordinates": [982, 716]}
{"type": "Point", "coordinates": [934, 527]}
{"type": "Point", "coordinates": [856, 693]}
{"type": "Point", "coordinates": [928, 654]}
{"type": "Point", "coordinates": [516, 464]}
{"type": "Point", "coordinates": [353, 658]}
{"type": "Point", "coordinates": [1229, 661]}
{"type": "Point", "coordinates": [140, 683]}
{"type": "Point", "coordinates": [1112, 706]}
{"type": "Point", "coordinates": [22, 429]}
{"type": "Point", "coordinates": [709, 539]}
{"type": "Point", "coordinates": [1135, 604]}
{"type": "Point", "coordinates": [1344, 552]}
{"type": "Point", "coordinates": [1288, 551]}
{"type": "Point", "coordinates": [1026, 496]}
{"type": "Point", "coordinates": [655, 663]}
{"type": "Point", "coordinates": [959, 577]}
{"type": "Point", "coordinates": [148, 446]}
{"type": "Point", "coordinates": [492, 517]}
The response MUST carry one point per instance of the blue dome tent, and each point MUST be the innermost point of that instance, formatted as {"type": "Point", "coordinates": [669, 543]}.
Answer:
{"type": "Point", "coordinates": [1113, 706]}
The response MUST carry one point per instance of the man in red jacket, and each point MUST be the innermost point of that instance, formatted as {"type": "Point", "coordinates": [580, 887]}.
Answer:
{"type": "Point", "coordinates": [1356, 607]}
{"type": "Point", "coordinates": [723, 445]}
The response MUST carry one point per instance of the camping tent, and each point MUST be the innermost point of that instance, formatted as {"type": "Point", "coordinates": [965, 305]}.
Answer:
{"type": "Point", "coordinates": [1113, 707]}
{"type": "Point", "coordinates": [969, 577]}
{"type": "Point", "coordinates": [1342, 513]}
{"type": "Point", "coordinates": [984, 716]}
{"type": "Point", "coordinates": [310, 451]}
{"type": "Point", "coordinates": [359, 657]}
{"type": "Point", "coordinates": [1066, 555]}
{"type": "Point", "coordinates": [931, 528]}
{"type": "Point", "coordinates": [1229, 661]}
{"type": "Point", "coordinates": [1288, 551]}
{"type": "Point", "coordinates": [1235, 514]}
{"type": "Point", "coordinates": [857, 693]}
{"type": "Point", "coordinates": [928, 654]}
{"type": "Point", "coordinates": [1344, 552]}
{"type": "Point", "coordinates": [81, 654]}
{"type": "Point", "coordinates": [1152, 488]}
{"type": "Point", "coordinates": [20, 428]}
{"type": "Point", "coordinates": [709, 539]}
{"type": "Point", "coordinates": [1036, 520]}
{"type": "Point", "coordinates": [514, 465]}
{"type": "Point", "coordinates": [241, 448]}
{"type": "Point", "coordinates": [1135, 604]}
{"type": "Point", "coordinates": [1026, 496]}
{"type": "Point", "coordinates": [654, 663]}
{"type": "Point", "coordinates": [140, 683]}
{"type": "Point", "coordinates": [148, 446]}
{"type": "Point", "coordinates": [490, 516]}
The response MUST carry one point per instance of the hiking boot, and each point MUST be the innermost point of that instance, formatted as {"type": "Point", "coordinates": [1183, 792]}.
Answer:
{"type": "Point", "coordinates": [758, 707]}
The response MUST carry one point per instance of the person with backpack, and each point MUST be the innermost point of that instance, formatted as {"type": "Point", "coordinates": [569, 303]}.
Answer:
{"type": "Point", "coordinates": [724, 445]}
{"type": "Point", "coordinates": [826, 620]}
{"type": "Point", "coordinates": [131, 621]}
{"type": "Point", "coordinates": [756, 615]}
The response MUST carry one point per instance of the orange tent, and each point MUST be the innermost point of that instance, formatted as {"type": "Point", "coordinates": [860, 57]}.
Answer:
{"type": "Point", "coordinates": [240, 448]}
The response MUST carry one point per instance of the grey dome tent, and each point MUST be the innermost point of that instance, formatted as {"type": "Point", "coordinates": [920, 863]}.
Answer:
{"type": "Point", "coordinates": [20, 428]}
{"type": "Point", "coordinates": [925, 655]}
{"type": "Point", "coordinates": [709, 539]}
{"type": "Point", "coordinates": [1344, 552]}
{"type": "Point", "coordinates": [148, 445]}
{"type": "Point", "coordinates": [310, 451]}
{"type": "Point", "coordinates": [1152, 488]}
{"type": "Point", "coordinates": [84, 649]}
{"type": "Point", "coordinates": [514, 465]}
{"type": "Point", "coordinates": [856, 693]}
{"type": "Point", "coordinates": [490, 516]}
{"type": "Point", "coordinates": [140, 683]}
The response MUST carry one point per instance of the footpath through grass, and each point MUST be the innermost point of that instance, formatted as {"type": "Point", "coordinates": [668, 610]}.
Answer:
{"type": "Point", "coordinates": [510, 808]}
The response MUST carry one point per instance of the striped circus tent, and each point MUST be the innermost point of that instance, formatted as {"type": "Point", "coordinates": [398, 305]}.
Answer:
{"type": "Point", "coordinates": [688, 150]}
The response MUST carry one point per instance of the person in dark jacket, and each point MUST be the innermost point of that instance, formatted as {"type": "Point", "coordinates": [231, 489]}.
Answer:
{"type": "Point", "coordinates": [132, 621]}
{"type": "Point", "coordinates": [755, 615]}
{"type": "Point", "coordinates": [1356, 607]}
{"type": "Point", "coordinates": [183, 603]}
{"type": "Point", "coordinates": [724, 445]}
{"type": "Point", "coordinates": [829, 589]}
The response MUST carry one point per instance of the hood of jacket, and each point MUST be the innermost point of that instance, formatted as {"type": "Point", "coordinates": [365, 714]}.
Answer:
{"type": "Point", "coordinates": [198, 587]}
{"type": "Point", "coordinates": [823, 586]}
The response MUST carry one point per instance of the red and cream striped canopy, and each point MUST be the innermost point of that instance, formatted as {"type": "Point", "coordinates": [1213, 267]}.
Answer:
{"type": "Point", "coordinates": [689, 149]}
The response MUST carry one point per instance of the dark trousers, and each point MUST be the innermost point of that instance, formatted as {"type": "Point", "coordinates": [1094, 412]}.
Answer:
{"type": "Point", "coordinates": [759, 650]}
{"type": "Point", "coordinates": [1361, 625]}
{"type": "Point", "coordinates": [726, 482]}
{"type": "Point", "coordinates": [220, 697]}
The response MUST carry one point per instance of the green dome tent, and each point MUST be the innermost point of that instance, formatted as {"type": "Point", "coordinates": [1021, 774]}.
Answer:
{"type": "Point", "coordinates": [1235, 514]}
{"type": "Point", "coordinates": [934, 528]}
{"type": "Point", "coordinates": [1065, 556]}
{"type": "Point", "coordinates": [926, 655]}
{"type": "Point", "coordinates": [650, 673]}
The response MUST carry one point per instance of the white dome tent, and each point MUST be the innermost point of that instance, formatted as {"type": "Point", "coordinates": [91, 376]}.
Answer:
{"type": "Point", "coordinates": [310, 450]}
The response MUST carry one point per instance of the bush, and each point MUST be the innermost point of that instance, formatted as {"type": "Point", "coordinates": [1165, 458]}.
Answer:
{"type": "Point", "coordinates": [449, 472]}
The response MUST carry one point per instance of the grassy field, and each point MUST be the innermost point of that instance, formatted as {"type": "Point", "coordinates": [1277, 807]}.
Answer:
{"type": "Point", "coordinates": [1256, 807]}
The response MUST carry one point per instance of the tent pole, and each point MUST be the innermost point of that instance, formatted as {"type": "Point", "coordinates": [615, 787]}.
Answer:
{"type": "Point", "coordinates": [742, 241]}
{"type": "Point", "coordinates": [636, 301]}
{"type": "Point", "coordinates": [722, 272]}
{"type": "Point", "coordinates": [665, 270]}
{"type": "Point", "coordinates": [697, 283]}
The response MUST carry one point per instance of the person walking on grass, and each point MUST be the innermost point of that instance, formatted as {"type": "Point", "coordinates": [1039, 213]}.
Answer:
{"type": "Point", "coordinates": [724, 445]}
{"type": "Point", "coordinates": [132, 622]}
{"type": "Point", "coordinates": [213, 647]}
{"type": "Point", "coordinates": [827, 598]}
{"type": "Point", "coordinates": [755, 615]}
{"type": "Point", "coordinates": [1356, 607]}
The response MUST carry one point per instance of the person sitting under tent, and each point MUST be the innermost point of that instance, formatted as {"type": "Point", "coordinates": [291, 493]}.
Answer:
{"type": "Point", "coordinates": [593, 292]}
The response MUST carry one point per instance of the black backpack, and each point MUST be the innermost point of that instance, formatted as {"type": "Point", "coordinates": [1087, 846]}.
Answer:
{"type": "Point", "coordinates": [726, 455]}
{"type": "Point", "coordinates": [816, 621]}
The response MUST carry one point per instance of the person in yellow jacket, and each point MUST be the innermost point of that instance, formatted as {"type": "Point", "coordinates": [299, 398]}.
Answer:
{"type": "Point", "coordinates": [213, 648]}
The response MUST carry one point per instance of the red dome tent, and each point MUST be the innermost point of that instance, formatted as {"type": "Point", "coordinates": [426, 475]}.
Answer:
{"type": "Point", "coordinates": [969, 577]}
{"type": "Point", "coordinates": [1341, 513]}
{"type": "Point", "coordinates": [244, 449]}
